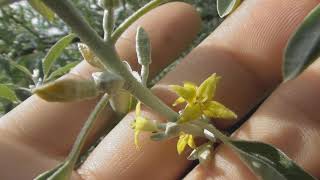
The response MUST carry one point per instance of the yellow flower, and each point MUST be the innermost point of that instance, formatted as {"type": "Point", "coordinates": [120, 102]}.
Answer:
{"type": "Point", "coordinates": [184, 140]}
{"type": "Point", "coordinates": [142, 124]}
{"type": "Point", "coordinates": [200, 100]}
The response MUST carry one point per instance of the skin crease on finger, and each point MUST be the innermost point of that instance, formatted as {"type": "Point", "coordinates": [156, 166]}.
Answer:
{"type": "Point", "coordinates": [287, 119]}
{"type": "Point", "coordinates": [49, 129]}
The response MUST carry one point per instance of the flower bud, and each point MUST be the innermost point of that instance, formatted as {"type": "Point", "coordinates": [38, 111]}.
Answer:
{"type": "Point", "coordinates": [143, 47]}
{"type": "Point", "coordinates": [108, 82]}
{"type": "Point", "coordinates": [88, 55]}
{"type": "Point", "coordinates": [66, 90]}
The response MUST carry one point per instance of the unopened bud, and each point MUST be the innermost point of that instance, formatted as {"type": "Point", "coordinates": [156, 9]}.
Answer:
{"type": "Point", "coordinates": [65, 90]}
{"type": "Point", "coordinates": [143, 47]}
{"type": "Point", "coordinates": [89, 56]}
{"type": "Point", "coordinates": [121, 102]}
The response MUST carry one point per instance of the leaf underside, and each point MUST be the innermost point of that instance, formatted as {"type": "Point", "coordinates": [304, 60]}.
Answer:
{"type": "Point", "coordinates": [268, 162]}
{"type": "Point", "coordinates": [303, 47]}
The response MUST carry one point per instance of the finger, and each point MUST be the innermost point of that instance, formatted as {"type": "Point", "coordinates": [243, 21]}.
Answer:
{"type": "Point", "coordinates": [287, 120]}
{"type": "Point", "coordinates": [243, 82]}
{"type": "Point", "coordinates": [51, 128]}
{"type": "Point", "coordinates": [268, 126]}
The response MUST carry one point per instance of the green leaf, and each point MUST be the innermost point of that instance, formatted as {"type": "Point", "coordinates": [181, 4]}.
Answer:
{"type": "Point", "coordinates": [303, 47]}
{"type": "Point", "coordinates": [22, 69]}
{"type": "Point", "coordinates": [61, 71]}
{"type": "Point", "coordinates": [7, 93]}
{"type": "Point", "coordinates": [226, 7]}
{"type": "Point", "coordinates": [61, 172]}
{"type": "Point", "coordinates": [268, 162]}
{"type": "Point", "coordinates": [47, 174]}
{"type": "Point", "coordinates": [42, 9]}
{"type": "Point", "coordinates": [6, 2]}
{"type": "Point", "coordinates": [55, 52]}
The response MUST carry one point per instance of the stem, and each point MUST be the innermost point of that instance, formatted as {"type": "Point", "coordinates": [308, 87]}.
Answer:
{"type": "Point", "coordinates": [225, 139]}
{"type": "Point", "coordinates": [145, 74]}
{"type": "Point", "coordinates": [108, 56]}
{"type": "Point", "coordinates": [108, 23]}
{"type": "Point", "coordinates": [134, 17]}
{"type": "Point", "coordinates": [78, 145]}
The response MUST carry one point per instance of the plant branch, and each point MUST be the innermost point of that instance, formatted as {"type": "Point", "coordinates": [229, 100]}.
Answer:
{"type": "Point", "coordinates": [134, 17]}
{"type": "Point", "coordinates": [108, 23]}
{"type": "Point", "coordinates": [106, 52]}
{"type": "Point", "coordinates": [209, 127]}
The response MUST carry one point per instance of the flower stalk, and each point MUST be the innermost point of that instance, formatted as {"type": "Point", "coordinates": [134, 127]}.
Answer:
{"type": "Point", "coordinates": [134, 17]}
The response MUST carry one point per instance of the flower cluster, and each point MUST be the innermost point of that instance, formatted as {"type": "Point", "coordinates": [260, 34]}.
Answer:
{"type": "Point", "coordinates": [199, 106]}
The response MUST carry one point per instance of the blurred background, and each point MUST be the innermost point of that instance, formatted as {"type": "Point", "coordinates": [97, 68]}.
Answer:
{"type": "Point", "coordinates": [25, 37]}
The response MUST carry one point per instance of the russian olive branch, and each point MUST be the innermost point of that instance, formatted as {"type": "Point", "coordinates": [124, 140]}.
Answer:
{"type": "Point", "coordinates": [106, 52]}
{"type": "Point", "coordinates": [108, 55]}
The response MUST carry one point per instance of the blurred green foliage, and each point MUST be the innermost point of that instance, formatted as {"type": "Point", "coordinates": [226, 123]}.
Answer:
{"type": "Point", "coordinates": [25, 37]}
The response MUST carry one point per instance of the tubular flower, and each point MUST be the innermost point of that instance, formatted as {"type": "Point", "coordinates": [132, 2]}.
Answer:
{"type": "Point", "coordinates": [200, 100]}
{"type": "Point", "coordinates": [184, 140]}
{"type": "Point", "coordinates": [141, 124]}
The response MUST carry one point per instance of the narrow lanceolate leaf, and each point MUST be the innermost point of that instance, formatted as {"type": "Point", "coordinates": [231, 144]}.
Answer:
{"type": "Point", "coordinates": [61, 71]}
{"type": "Point", "coordinates": [42, 9]}
{"type": "Point", "coordinates": [5, 2]}
{"type": "Point", "coordinates": [22, 69]}
{"type": "Point", "coordinates": [62, 172]}
{"type": "Point", "coordinates": [268, 162]}
{"type": "Point", "coordinates": [303, 47]}
{"type": "Point", "coordinates": [55, 52]}
{"type": "Point", "coordinates": [226, 7]}
{"type": "Point", "coordinates": [7, 93]}
{"type": "Point", "coordinates": [143, 47]}
{"type": "Point", "coordinates": [46, 175]}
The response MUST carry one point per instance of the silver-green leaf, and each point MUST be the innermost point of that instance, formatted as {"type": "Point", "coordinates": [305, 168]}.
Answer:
{"type": "Point", "coordinates": [55, 52]}
{"type": "Point", "coordinates": [46, 175]}
{"type": "Point", "coordinates": [226, 7]}
{"type": "Point", "coordinates": [268, 162]}
{"type": "Point", "coordinates": [42, 9]}
{"type": "Point", "coordinates": [7, 93]}
{"type": "Point", "coordinates": [22, 69]}
{"type": "Point", "coordinates": [303, 47]}
{"type": "Point", "coordinates": [61, 71]}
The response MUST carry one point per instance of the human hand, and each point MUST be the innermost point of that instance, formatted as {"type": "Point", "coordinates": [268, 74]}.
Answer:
{"type": "Point", "coordinates": [246, 50]}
